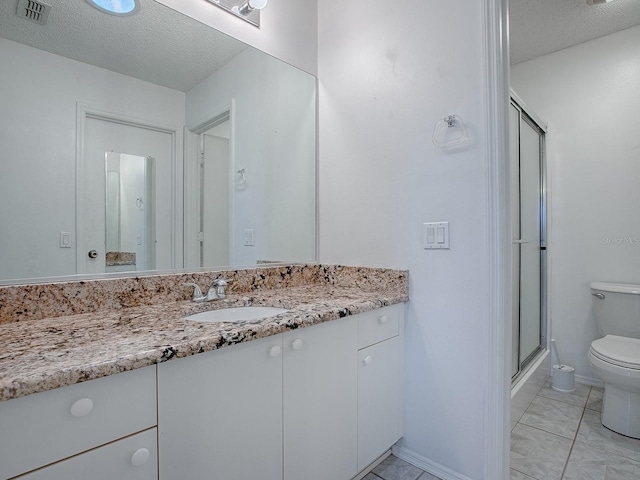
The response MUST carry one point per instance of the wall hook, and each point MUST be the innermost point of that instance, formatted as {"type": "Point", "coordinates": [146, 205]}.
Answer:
{"type": "Point", "coordinates": [240, 179]}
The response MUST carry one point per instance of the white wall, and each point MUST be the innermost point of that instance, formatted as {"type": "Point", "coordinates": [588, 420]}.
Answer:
{"type": "Point", "coordinates": [39, 92]}
{"type": "Point", "coordinates": [590, 96]}
{"type": "Point", "coordinates": [273, 139]}
{"type": "Point", "coordinates": [288, 28]}
{"type": "Point", "coordinates": [387, 74]}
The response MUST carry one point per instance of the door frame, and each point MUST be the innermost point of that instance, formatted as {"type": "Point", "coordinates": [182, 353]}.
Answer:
{"type": "Point", "coordinates": [85, 112]}
{"type": "Point", "coordinates": [193, 133]}
{"type": "Point", "coordinates": [526, 114]}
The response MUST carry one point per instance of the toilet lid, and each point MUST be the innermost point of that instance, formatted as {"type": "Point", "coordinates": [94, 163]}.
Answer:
{"type": "Point", "coordinates": [621, 351]}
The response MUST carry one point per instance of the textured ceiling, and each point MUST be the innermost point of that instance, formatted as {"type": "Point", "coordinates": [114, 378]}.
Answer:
{"type": "Point", "coordinates": [539, 27]}
{"type": "Point", "coordinates": [157, 44]}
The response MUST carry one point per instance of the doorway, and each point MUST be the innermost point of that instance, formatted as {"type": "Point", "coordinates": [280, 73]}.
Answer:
{"type": "Point", "coordinates": [123, 160]}
{"type": "Point", "coordinates": [209, 160]}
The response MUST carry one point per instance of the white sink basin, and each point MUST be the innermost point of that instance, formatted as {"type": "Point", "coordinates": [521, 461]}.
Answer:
{"type": "Point", "coordinates": [240, 314]}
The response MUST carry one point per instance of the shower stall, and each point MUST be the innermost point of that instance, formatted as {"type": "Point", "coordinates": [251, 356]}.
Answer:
{"type": "Point", "coordinates": [528, 220]}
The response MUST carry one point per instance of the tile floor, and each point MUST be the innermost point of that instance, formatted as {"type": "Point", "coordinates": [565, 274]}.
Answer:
{"type": "Point", "coordinates": [392, 468]}
{"type": "Point", "coordinates": [560, 437]}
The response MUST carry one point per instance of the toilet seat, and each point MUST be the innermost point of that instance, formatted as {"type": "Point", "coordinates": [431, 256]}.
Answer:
{"type": "Point", "coordinates": [616, 350]}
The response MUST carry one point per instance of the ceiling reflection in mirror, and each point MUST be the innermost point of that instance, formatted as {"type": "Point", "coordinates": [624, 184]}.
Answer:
{"type": "Point", "coordinates": [148, 142]}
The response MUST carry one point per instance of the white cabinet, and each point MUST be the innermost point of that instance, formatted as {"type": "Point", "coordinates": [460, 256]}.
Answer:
{"type": "Point", "coordinates": [320, 401]}
{"type": "Point", "coordinates": [225, 411]}
{"type": "Point", "coordinates": [220, 413]}
{"type": "Point", "coordinates": [379, 382]}
{"type": "Point", "coordinates": [49, 426]}
{"type": "Point", "coordinates": [132, 458]}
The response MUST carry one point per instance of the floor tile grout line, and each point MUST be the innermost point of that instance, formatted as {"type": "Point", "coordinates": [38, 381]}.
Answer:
{"type": "Point", "coordinates": [516, 470]}
{"type": "Point", "coordinates": [546, 431]}
{"type": "Point", "coordinates": [596, 447]}
{"type": "Point", "coordinates": [573, 443]}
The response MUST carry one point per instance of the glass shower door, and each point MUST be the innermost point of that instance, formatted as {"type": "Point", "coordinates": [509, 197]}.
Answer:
{"type": "Point", "coordinates": [527, 191]}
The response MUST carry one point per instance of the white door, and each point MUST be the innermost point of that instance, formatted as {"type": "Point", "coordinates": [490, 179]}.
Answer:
{"type": "Point", "coordinates": [215, 201]}
{"type": "Point", "coordinates": [220, 414]}
{"type": "Point", "coordinates": [320, 385]}
{"type": "Point", "coordinates": [378, 400]}
{"type": "Point", "coordinates": [102, 136]}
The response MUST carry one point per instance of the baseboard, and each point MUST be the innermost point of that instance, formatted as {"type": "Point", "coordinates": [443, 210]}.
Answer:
{"type": "Point", "coordinates": [427, 465]}
{"type": "Point", "coordinates": [365, 471]}
{"type": "Point", "coordinates": [594, 382]}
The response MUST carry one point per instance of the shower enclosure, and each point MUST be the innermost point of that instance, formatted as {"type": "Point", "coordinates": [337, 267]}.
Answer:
{"type": "Point", "coordinates": [528, 220]}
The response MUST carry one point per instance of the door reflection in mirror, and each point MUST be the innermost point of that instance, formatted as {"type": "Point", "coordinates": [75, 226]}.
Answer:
{"type": "Point", "coordinates": [129, 214]}
{"type": "Point", "coordinates": [215, 201]}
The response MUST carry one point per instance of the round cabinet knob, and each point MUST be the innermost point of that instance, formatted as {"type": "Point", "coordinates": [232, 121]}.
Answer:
{"type": "Point", "coordinates": [296, 344]}
{"type": "Point", "coordinates": [367, 360]}
{"type": "Point", "coordinates": [382, 319]}
{"type": "Point", "coordinates": [275, 351]}
{"type": "Point", "coordinates": [93, 254]}
{"type": "Point", "coordinates": [139, 457]}
{"type": "Point", "coordinates": [81, 407]}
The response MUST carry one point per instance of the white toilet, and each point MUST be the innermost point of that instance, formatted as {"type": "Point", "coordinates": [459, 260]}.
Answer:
{"type": "Point", "coordinates": [616, 357]}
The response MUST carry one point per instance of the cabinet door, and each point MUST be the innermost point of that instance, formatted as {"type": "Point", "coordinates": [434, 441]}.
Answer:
{"type": "Point", "coordinates": [132, 458]}
{"type": "Point", "coordinates": [320, 401]}
{"type": "Point", "coordinates": [220, 413]}
{"type": "Point", "coordinates": [378, 400]}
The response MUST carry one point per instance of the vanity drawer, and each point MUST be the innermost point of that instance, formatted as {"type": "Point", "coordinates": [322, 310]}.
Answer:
{"type": "Point", "coordinates": [46, 427]}
{"type": "Point", "coordinates": [377, 325]}
{"type": "Point", "coordinates": [132, 458]}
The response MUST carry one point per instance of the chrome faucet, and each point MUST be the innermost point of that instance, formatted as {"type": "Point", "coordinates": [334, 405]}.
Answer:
{"type": "Point", "coordinates": [220, 285]}
{"type": "Point", "coordinates": [216, 291]}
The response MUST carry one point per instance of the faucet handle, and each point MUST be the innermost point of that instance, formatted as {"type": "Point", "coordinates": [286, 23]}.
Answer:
{"type": "Point", "coordinates": [197, 293]}
{"type": "Point", "coordinates": [220, 284]}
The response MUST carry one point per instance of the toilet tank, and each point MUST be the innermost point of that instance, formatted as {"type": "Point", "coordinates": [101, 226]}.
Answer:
{"type": "Point", "coordinates": [617, 308]}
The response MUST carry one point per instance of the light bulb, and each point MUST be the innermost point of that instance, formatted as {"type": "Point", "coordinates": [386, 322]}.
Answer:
{"type": "Point", "coordinates": [250, 5]}
{"type": "Point", "coordinates": [258, 4]}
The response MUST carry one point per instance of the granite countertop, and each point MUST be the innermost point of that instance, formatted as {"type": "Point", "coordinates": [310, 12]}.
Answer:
{"type": "Point", "coordinates": [40, 355]}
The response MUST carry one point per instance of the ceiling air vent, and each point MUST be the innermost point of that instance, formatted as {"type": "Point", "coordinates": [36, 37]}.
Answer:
{"type": "Point", "coordinates": [34, 11]}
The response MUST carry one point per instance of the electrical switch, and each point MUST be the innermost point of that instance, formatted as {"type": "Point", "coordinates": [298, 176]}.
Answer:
{"type": "Point", "coordinates": [248, 237]}
{"type": "Point", "coordinates": [430, 235]}
{"type": "Point", "coordinates": [65, 239]}
{"type": "Point", "coordinates": [435, 235]}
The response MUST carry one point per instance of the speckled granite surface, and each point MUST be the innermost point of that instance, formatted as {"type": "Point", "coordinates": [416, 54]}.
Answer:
{"type": "Point", "coordinates": [44, 300]}
{"type": "Point", "coordinates": [45, 353]}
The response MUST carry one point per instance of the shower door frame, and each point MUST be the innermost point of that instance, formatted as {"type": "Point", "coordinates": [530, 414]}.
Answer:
{"type": "Point", "coordinates": [528, 116]}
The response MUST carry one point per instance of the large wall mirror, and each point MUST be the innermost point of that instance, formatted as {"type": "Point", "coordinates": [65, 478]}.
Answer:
{"type": "Point", "coordinates": [148, 142]}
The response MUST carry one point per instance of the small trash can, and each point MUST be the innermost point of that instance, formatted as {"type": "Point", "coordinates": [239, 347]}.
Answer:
{"type": "Point", "coordinates": [562, 379]}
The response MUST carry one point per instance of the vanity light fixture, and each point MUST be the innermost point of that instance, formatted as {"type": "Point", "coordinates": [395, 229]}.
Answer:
{"type": "Point", "coordinates": [119, 8]}
{"type": "Point", "coordinates": [598, 2]}
{"type": "Point", "coordinates": [248, 10]}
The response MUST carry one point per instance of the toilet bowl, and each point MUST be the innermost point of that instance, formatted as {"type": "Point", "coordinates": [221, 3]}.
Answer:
{"type": "Point", "coordinates": [616, 356]}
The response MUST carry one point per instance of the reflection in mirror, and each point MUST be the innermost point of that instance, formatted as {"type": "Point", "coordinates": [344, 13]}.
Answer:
{"type": "Point", "coordinates": [129, 213]}
{"type": "Point", "coordinates": [205, 107]}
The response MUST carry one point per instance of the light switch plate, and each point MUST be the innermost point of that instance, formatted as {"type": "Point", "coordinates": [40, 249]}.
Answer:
{"type": "Point", "coordinates": [65, 239]}
{"type": "Point", "coordinates": [248, 237]}
{"type": "Point", "coordinates": [435, 236]}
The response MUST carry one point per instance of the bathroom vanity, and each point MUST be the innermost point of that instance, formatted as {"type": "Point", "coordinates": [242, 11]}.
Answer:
{"type": "Point", "coordinates": [311, 393]}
